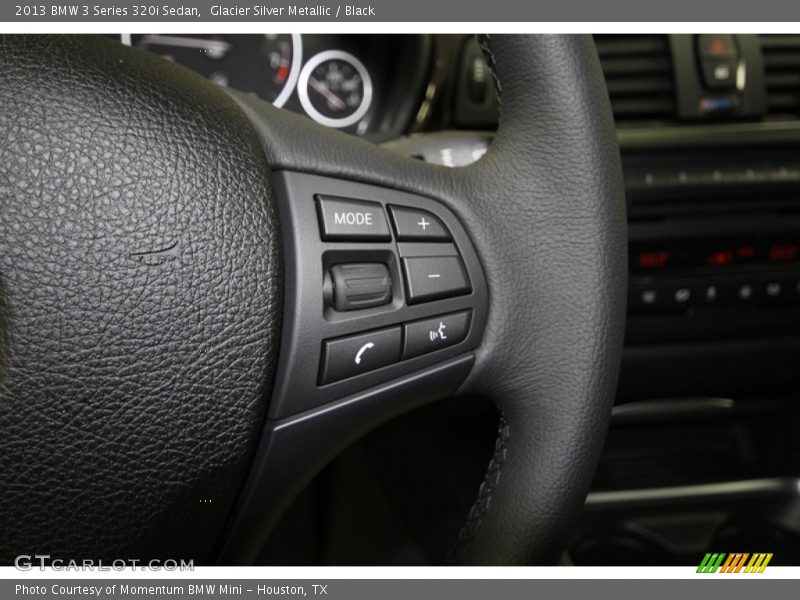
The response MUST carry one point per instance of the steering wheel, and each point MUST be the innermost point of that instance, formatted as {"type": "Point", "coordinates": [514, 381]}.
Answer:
{"type": "Point", "coordinates": [177, 347]}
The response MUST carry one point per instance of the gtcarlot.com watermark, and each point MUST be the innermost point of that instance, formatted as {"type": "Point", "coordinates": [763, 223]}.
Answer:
{"type": "Point", "coordinates": [28, 562]}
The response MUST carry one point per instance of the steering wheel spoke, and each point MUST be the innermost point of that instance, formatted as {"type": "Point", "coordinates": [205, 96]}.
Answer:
{"type": "Point", "coordinates": [543, 210]}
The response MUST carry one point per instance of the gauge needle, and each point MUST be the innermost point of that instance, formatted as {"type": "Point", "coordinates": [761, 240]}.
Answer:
{"type": "Point", "coordinates": [216, 46]}
{"type": "Point", "coordinates": [323, 89]}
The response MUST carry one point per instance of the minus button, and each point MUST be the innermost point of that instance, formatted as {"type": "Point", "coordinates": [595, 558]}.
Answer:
{"type": "Point", "coordinates": [432, 277]}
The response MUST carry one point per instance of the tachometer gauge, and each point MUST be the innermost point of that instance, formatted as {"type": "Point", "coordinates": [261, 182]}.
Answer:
{"type": "Point", "coordinates": [335, 88]}
{"type": "Point", "coordinates": [284, 56]}
{"type": "Point", "coordinates": [266, 65]}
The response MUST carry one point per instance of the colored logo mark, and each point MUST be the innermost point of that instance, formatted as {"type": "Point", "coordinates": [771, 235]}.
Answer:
{"type": "Point", "coordinates": [735, 562]}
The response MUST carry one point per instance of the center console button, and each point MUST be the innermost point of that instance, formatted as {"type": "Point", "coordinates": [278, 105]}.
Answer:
{"type": "Point", "coordinates": [719, 74]}
{"type": "Point", "coordinates": [715, 45]}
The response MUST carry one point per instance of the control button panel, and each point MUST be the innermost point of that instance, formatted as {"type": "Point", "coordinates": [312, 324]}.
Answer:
{"type": "Point", "coordinates": [718, 76]}
{"type": "Point", "coordinates": [756, 291]}
{"type": "Point", "coordinates": [417, 225]}
{"type": "Point", "coordinates": [695, 276]}
{"type": "Point", "coordinates": [356, 354]}
{"type": "Point", "coordinates": [719, 60]}
{"type": "Point", "coordinates": [429, 335]}
{"type": "Point", "coordinates": [431, 277]}
{"type": "Point", "coordinates": [360, 285]}
{"type": "Point", "coordinates": [381, 285]}
{"type": "Point", "coordinates": [353, 220]}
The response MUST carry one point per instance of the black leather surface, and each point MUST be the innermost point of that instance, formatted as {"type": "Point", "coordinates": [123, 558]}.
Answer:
{"type": "Point", "coordinates": [140, 280]}
{"type": "Point", "coordinates": [545, 207]}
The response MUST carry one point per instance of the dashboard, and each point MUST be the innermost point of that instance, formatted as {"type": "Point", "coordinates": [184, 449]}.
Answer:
{"type": "Point", "coordinates": [366, 85]}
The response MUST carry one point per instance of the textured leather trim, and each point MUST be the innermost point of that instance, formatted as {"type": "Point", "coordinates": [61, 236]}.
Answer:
{"type": "Point", "coordinates": [140, 289]}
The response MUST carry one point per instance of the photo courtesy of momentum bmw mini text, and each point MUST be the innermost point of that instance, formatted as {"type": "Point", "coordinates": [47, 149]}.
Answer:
{"type": "Point", "coordinates": [345, 300]}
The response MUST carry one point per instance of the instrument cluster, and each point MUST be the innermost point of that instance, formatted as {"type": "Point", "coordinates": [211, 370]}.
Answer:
{"type": "Point", "coordinates": [356, 83]}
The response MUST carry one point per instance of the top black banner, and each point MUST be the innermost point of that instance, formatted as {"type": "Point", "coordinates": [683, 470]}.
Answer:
{"type": "Point", "coordinates": [462, 11]}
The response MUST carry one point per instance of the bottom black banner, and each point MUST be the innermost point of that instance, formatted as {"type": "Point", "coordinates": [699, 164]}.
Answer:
{"type": "Point", "coordinates": [405, 589]}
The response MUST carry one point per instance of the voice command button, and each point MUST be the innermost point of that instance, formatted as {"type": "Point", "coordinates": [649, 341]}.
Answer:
{"type": "Point", "coordinates": [426, 336]}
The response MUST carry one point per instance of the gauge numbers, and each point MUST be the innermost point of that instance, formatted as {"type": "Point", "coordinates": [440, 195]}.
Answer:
{"type": "Point", "coordinates": [266, 65]}
{"type": "Point", "coordinates": [335, 89]}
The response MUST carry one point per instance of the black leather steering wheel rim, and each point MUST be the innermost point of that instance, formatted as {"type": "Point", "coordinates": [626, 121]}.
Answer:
{"type": "Point", "coordinates": [544, 209]}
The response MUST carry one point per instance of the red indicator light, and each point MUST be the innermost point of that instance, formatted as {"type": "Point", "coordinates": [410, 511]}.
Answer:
{"type": "Point", "coordinates": [654, 260]}
{"type": "Point", "coordinates": [723, 257]}
{"type": "Point", "coordinates": [718, 47]}
{"type": "Point", "coordinates": [780, 252]}
{"type": "Point", "coordinates": [746, 251]}
{"type": "Point", "coordinates": [283, 73]}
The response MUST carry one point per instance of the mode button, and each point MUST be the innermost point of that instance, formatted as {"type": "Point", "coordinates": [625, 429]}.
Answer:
{"type": "Point", "coordinates": [355, 220]}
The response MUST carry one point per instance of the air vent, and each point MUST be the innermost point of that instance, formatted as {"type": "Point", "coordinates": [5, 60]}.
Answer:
{"type": "Point", "coordinates": [638, 71]}
{"type": "Point", "coordinates": [695, 184]}
{"type": "Point", "coordinates": [782, 71]}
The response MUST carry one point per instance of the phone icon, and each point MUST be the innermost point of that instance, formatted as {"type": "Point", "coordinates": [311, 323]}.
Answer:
{"type": "Point", "coordinates": [361, 351]}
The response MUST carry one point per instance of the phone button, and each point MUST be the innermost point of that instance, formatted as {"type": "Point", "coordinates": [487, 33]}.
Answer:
{"type": "Point", "coordinates": [356, 354]}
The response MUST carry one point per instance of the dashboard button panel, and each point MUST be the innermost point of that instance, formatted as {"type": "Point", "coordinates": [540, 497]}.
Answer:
{"type": "Point", "coordinates": [757, 291]}
{"type": "Point", "coordinates": [356, 220]}
{"type": "Point", "coordinates": [697, 277]}
{"type": "Point", "coordinates": [356, 354]}
{"type": "Point", "coordinates": [429, 335]}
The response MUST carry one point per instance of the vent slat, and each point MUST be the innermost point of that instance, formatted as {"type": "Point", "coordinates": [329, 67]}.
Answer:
{"type": "Point", "coordinates": [643, 85]}
{"type": "Point", "coordinates": [784, 102]}
{"type": "Point", "coordinates": [782, 60]}
{"type": "Point", "coordinates": [781, 81]}
{"type": "Point", "coordinates": [639, 77]}
{"type": "Point", "coordinates": [630, 45]}
{"type": "Point", "coordinates": [629, 66]}
{"type": "Point", "coordinates": [642, 107]}
{"type": "Point", "coordinates": [770, 42]}
{"type": "Point", "coordinates": [782, 74]}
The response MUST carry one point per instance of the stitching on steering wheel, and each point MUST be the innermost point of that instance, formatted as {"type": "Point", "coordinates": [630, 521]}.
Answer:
{"type": "Point", "coordinates": [480, 508]}
{"type": "Point", "coordinates": [483, 502]}
{"type": "Point", "coordinates": [485, 42]}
